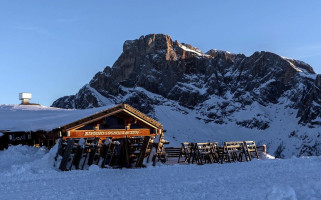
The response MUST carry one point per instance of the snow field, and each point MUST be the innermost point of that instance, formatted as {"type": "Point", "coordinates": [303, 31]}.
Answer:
{"type": "Point", "coordinates": [28, 173]}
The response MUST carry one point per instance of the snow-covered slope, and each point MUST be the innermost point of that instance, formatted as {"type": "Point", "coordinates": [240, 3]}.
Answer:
{"type": "Point", "coordinates": [183, 124]}
{"type": "Point", "coordinates": [28, 173]}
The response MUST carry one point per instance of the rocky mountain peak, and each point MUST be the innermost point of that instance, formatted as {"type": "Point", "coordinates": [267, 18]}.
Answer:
{"type": "Point", "coordinates": [153, 44]}
{"type": "Point", "coordinates": [220, 87]}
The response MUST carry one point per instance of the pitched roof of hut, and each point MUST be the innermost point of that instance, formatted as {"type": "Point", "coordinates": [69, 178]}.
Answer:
{"type": "Point", "coordinates": [15, 118]}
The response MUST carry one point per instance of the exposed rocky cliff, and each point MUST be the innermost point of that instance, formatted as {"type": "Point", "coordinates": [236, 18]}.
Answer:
{"type": "Point", "coordinates": [221, 89]}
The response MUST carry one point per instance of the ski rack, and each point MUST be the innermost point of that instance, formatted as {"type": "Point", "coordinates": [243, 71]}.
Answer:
{"type": "Point", "coordinates": [131, 152]}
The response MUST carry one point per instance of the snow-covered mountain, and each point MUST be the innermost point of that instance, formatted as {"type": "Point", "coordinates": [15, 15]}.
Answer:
{"type": "Point", "coordinates": [215, 95]}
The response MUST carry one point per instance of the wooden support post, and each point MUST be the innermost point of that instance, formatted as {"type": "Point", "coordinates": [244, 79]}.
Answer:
{"type": "Point", "coordinates": [86, 157]}
{"type": "Point", "coordinates": [78, 156]}
{"type": "Point", "coordinates": [92, 153]}
{"type": "Point", "coordinates": [126, 152]}
{"type": "Point", "coordinates": [140, 159]}
{"type": "Point", "coordinates": [104, 154]}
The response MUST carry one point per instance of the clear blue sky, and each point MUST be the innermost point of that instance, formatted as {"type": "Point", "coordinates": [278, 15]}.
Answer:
{"type": "Point", "coordinates": [53, 48]}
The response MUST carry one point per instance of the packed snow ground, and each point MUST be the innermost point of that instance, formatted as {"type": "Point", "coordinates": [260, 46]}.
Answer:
{"type": "Point", "coordinates": [28, 173]}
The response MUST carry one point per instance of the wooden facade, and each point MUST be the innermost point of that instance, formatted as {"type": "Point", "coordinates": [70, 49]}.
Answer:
{"type": "Point", "coordinates": [120, 136]}
{"type": "Point", "coordinates": [117, 137]}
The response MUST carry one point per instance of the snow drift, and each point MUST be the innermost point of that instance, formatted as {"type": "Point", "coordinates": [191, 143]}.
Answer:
{"type": "Point", "coordinates": [27, 173]}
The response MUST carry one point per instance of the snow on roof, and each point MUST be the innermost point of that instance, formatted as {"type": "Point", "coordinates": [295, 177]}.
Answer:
{"type": "Point", "coordinates": [32, 118]}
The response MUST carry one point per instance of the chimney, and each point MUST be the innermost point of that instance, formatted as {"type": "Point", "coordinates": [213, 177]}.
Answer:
{"type": "Point", "coordinates": [25, 97]}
